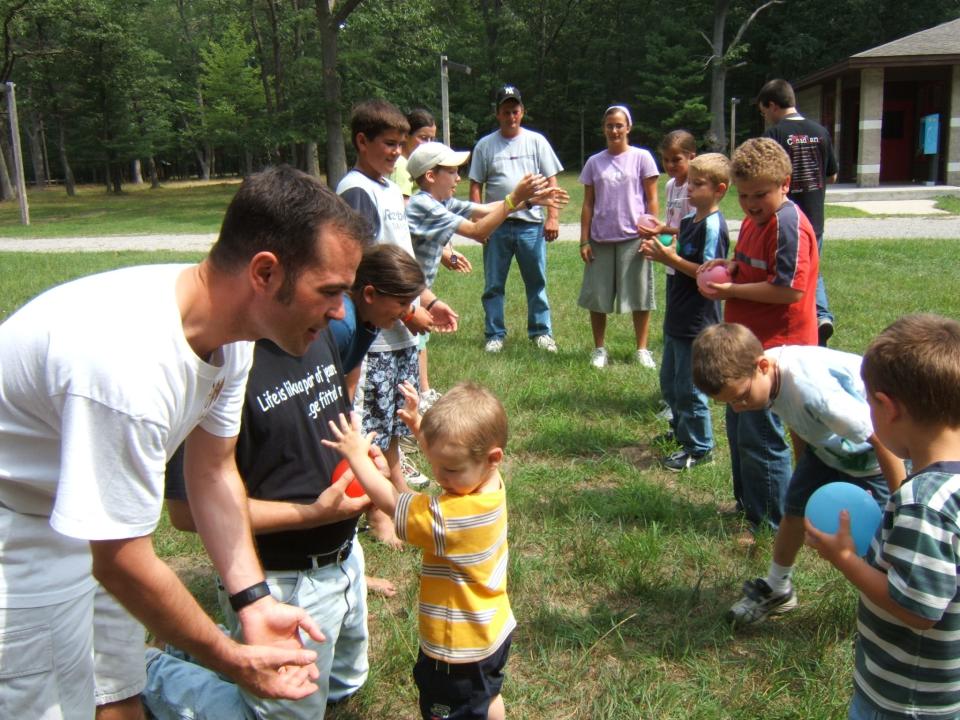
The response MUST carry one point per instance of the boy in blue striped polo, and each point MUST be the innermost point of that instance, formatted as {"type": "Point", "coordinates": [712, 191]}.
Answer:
{"type": "Point", "coordinates": [908, 619]}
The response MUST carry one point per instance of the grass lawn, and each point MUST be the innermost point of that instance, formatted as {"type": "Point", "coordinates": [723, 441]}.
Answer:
{"type": "Point", "coordinates": [197, 207]}
{"type": "Point", "coordinates": [620, 572]}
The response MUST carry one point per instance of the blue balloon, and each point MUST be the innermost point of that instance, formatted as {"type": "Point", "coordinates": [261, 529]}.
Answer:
{"type": "Point", "coordinates": [824, 506]}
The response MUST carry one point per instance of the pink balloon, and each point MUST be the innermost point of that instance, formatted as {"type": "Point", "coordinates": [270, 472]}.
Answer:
{"type": "Point", "coordinates": [717, 274]}
{"type": "Point", "coordinates": [647, 220]}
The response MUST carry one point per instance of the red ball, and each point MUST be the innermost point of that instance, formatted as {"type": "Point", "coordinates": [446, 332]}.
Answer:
{"type": "Point", "coordinates": [354, 488]}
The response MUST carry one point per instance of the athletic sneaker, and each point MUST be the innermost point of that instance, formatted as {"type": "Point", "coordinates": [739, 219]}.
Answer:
{"type": "Point", "coordinates": [408, 445]}
{"type": "Point", "coordinates": [824, 331]}
{"type": "Point", "coordinates": [683, 460]}
{"type": "Point", "coordinates": [427, 399]}
{"type": "Point", "coordinates": [494, 345]}
{"type": "Point", "coordinates": [545, 342]}
{"type": "Point", "coordinates": [665, 413]}
{"type": "Point", "coordinates": [599, 358]}
{"type": "Point", "coordinates": [645, 358]}
{"type": "Point", "coordinates": [759, 602]}
{"type": "Point", "coordinates": [413, 477]}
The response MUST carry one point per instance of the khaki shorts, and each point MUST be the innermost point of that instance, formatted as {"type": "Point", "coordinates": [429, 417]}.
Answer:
{"type": "Point", "coordinates": [118, 641]}
{"type": "Point", "coordinates": [619, 280]}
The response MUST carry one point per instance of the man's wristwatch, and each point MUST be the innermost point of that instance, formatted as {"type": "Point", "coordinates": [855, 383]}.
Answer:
{"type": "Point", "coordinates": [250, 595]}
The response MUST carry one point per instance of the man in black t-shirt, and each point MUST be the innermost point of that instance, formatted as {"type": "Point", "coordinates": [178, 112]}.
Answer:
{"type": "Point", "coordinates": [814, 165]}
{"type": "Point", "coordinates": [305, 527]}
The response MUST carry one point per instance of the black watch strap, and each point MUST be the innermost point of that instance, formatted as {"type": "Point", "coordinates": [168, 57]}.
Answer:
{"type": "Point", "coordinates": [241, 599]}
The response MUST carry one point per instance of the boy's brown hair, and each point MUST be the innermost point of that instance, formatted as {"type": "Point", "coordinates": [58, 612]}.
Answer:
{"type": "Point", "coordinates": [467, 415]}
{"type": "Point", "coordinates": [761, 159]}
{"type": "Point", "coordinates": [722, 354]}
{"type": "Point", "coordinates": [916, 361]}
{"type": "Point", "coordinates": [715, 167]}
{"type": "Point", "coordinates": [373, 117]}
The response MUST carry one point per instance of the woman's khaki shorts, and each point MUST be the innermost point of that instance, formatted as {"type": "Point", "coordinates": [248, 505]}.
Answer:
{"type": "Point", "coordinates": [619, 280]}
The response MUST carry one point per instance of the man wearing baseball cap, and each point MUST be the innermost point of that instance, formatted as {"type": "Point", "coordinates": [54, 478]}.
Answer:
{"type": "Point", "coordinates": [500, 161]}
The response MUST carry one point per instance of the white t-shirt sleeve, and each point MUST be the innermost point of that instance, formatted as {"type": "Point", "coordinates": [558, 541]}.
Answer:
{"type": "Point", "coordinates": [223, 417]}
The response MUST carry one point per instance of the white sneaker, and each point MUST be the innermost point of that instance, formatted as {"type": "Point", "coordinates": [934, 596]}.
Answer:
{"type": "Point", "coordinates": [545, 342]}
{"type": "Point", "coordinates": [427, 399]}
{"type": "Point", "coordinates": [645, 358]}
{"type": "Point", "coordinates": [413, 477]}
{"type": "Point", "coordinates": [494, 345]}
{"type": "Point", "coordinates": [599, 358]}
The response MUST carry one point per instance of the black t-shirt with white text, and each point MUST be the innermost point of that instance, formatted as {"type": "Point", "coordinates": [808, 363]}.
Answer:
{"type": "Point", "coordinates": [811, 153]}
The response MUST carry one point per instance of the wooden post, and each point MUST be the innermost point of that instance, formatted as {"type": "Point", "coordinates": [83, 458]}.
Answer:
{"type": "Point", "coordinates": [17, 154]}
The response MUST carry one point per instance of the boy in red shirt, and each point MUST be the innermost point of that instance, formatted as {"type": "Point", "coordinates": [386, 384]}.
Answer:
{"type": "Point", "coordinates": [773, 288]}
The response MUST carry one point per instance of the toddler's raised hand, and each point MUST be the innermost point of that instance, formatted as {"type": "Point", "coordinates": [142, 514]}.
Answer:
{"type": "Point", "coordinates": [410, 412]}
{"type": "Point", "coordinates": [348, 440]}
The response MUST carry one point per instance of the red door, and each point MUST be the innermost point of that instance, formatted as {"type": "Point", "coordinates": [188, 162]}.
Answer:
{"type": "Point", "coordinates": [897, 141]}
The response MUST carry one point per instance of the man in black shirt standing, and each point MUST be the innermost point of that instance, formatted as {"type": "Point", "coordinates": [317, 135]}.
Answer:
{"type": "Point", "coordinates": [814, 165]}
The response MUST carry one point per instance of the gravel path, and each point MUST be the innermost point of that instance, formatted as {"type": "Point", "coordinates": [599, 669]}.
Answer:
{"type": "Point", "coordinates": [891, 227]}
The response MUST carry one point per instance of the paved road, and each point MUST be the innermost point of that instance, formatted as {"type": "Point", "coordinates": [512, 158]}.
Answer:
{"type": "Point", "coordinates": [891, 227]}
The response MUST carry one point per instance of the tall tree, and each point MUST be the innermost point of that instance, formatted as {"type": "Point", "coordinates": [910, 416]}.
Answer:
{"type": "Point", "coordinates": [722, 60]}
{"type": "Point", "coordinates": [331, 15]}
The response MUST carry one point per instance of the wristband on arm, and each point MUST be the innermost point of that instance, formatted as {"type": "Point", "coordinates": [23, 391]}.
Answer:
{"type": "Point", "coordinates": [240, 600]}
{"type": "Point", "coordinates": [432, 303]}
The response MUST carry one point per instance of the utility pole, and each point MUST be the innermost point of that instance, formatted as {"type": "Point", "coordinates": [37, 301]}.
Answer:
{"type": "Point", "coordinates": [445, 67]}
{"type": "Point", "coordinates": [733, 123]}
{"type": "Point", "coordinates": [17, 154]}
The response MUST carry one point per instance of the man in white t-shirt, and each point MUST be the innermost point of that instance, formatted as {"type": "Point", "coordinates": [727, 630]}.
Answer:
{"type": "Point", "coordinates": [500, 161]}
{"type": "Point", "coordinates": [100, 380]}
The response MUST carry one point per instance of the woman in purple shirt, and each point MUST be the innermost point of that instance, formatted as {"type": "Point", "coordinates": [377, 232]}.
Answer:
{"type": "Point", "coordinates": [620, 187]}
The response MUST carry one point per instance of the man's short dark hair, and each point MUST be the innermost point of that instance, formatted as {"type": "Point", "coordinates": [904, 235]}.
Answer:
{"type": "Point", "coordinates": [281, 210]}
{"type": "Point", "coordinates": [374, 117]}
{"type": "Point", "coordinates": [779, 92]}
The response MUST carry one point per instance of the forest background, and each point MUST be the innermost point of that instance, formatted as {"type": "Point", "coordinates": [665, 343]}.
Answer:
{"type": "Point", "coordinates": [118, 91]}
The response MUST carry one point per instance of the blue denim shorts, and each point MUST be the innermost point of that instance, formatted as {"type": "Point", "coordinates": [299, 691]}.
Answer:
{"type": "Point", "coordinates": [812, 473]}
{"type": "Point", "coordinates": [461, 691]}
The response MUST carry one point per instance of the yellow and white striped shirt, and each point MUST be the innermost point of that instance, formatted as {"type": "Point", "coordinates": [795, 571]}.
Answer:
{"type": "Point", "coordinates": [464, 610]}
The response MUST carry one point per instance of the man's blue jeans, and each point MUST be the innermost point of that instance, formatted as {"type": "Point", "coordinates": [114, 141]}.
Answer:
{"type": "Point", "coordinates": [761, 463]}
{"type": "Point", "coordinates": [823, 306]}
{"type": "Point", "coordinates": [691, 412]}
{"type": "Point", "coordinates": [525, 241]}
{"type": "Point", "coordinates": [335, 596]}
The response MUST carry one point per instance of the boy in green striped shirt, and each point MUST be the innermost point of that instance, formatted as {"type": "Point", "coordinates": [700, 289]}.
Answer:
{"type": "Point", "coordinates": [908, 619]}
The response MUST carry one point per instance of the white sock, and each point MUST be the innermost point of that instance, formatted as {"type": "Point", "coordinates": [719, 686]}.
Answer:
{"type": "Point", "coordinates": [778, 578]}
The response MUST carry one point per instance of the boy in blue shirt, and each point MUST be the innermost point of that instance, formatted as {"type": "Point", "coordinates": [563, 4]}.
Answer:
{"type": "Point", "coordinates": [703, 236]}
{"type": "Point", "coordinates": [908, 619]}
{"type": "Point", "coordinates": [819, 395]}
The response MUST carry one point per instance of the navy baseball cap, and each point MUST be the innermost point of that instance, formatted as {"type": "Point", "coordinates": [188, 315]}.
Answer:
{"type": "Point", "coordinates": [508, 92]}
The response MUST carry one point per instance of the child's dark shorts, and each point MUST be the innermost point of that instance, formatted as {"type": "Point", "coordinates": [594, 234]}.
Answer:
{"type": "Point", "coordinates": [459, 691]}
{"type": "Point", "coordinates": [812, 473]}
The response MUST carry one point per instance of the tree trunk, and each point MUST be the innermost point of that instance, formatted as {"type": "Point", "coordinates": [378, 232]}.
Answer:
{"type": "Point", "coordinates": [7, 191]}
{"type": "Point", "coordinates": [36, 150]}
{"type": "Point", "coordinates": [716, 136]}
{"type": "Point", "coordinates": [152, 172]}
{"type": "Point", "coordinates": [203, 158]}
{"type": "Point", "coordinates": [491, 11]}
{"type": "Point", "coordinates": [313, 162]}
{"type": "Point", "coordinates": [136, 172]}
{"type": "Point", "coordinates": [68, 181]}
{"type": "Point", "coordinates": [247, 162]}
{"type": "Point", "coordinates": [336, 164]}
